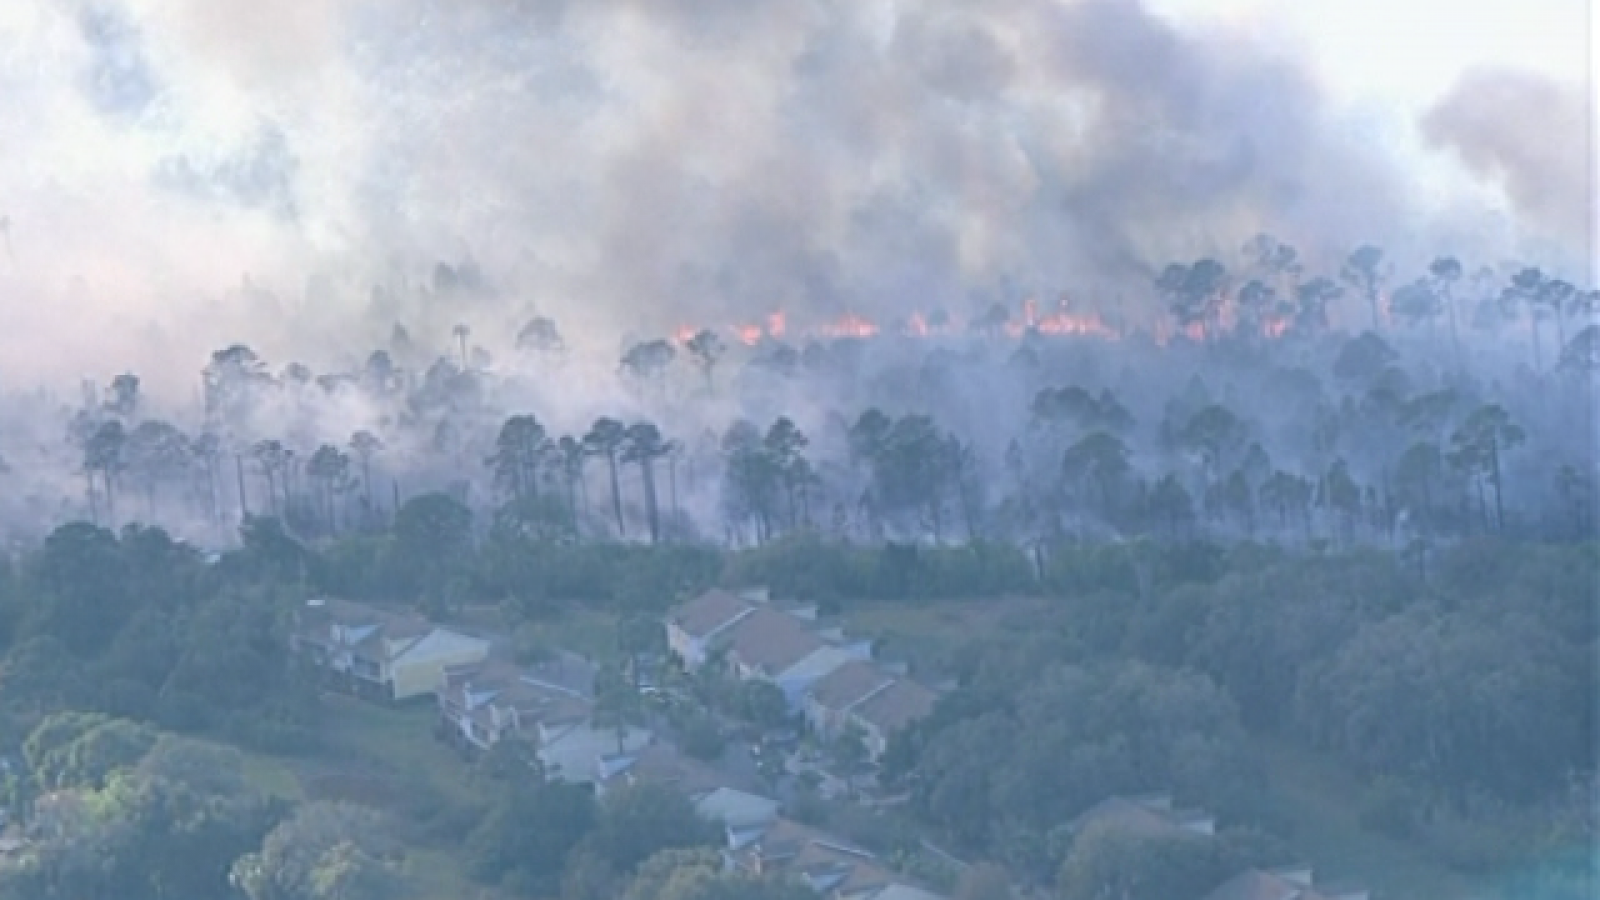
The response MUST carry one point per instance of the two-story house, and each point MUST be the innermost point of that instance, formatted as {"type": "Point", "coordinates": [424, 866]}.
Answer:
{"type": "Point", "coordinates": [787, 650]}
{"type": "Point", "coordinates": [760, 641]}
{"type": "Point", "coordinates": [693, 627]}
{"type": "Point", "coordinates": [833, 868]}
{"type": "Point", "coordinates": [861, 695]}
{"type": "Point", "coordinates": [377, 653]}
{"type": "Point", "coordinates": [483, 703]}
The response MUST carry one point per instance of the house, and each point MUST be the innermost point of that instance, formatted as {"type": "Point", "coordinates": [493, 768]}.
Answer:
{"type": "Point", "coordinates": [377, 653]}
{"type": "Point", "coordinates": [736, 810]}
{"type": "Point", "coordinates": [483, 703]}
{"type": "Point", "coordinates": [833, 868]}
{"type": "Point", "coordinates": [1148, 814]}
{"type": "Point", "coordinates": [574, 750]}
{"type": "Point", "coordinates": [889, 710]}
{"type": "Point", "coordinates": [1293, 883]}
{"type": "Point", "coordinates": [785, 650]}
{"type": "Point", "coordinates": [661, 764]}
{"type": "Point", "coordinates": [692, 627]}
{"type": "Point", "coordinates": [864, 695]}
{"type": "Point", "coordinates": [829, 702]}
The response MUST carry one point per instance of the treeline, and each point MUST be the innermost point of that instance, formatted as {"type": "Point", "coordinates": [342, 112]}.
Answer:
{"type": "Point", "coordinates": [140, 626]}
{"type": "Point", "coordinates": [1256, 420]}
{"type": "Point", "coordinates": [1463, 702]}
{"type": "Point", "coordinates": [118, 811]}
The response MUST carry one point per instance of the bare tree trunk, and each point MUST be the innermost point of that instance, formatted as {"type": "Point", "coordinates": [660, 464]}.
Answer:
{"type": "Point", "coordinates": [244, 504]}
{"type": "Point", "coordinates": [94, 503]}
{"type": "Point", "coordinates": [616, 495]}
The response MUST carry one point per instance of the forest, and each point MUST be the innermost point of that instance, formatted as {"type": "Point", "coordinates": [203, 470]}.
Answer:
{"type": "Point", "coordinates": [1246, 529]}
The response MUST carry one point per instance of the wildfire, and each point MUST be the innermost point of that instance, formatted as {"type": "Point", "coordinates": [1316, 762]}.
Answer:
{"type": "Point", "coordinates": [1062, 321]}
{"type": "Point", "coordinates": [851, 325]}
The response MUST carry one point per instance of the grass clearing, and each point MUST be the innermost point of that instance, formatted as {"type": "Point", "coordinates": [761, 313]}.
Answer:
{"type": "Point", "coordinates": [387, 758]}
{"type": "Point", "coordinates": [1322, 801]}
{"type": "Point", "coordinates": [392, 743]}
{"type": "Point", "coordinates": [587, 632]}
{"type": "Point", "coordinates": [931, 632]}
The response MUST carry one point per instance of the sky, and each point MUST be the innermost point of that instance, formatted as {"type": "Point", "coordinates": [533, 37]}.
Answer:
{"type": "Point", "coordinates": [648, 164]}
{"type": "Point", "coordinates": [1409, 52]}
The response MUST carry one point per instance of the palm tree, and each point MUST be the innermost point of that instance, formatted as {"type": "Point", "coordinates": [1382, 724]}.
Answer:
{"type": "Point", "coordinates": [1527, 285]}
{"type": "Point", "coordinates": [329, 469]}
{"type": "Point", "coordinates": [784, 443]}
{"type": "Point", "coordinates": [461, 331]}
{"type": "Point", "coordinates": [1446, 271]}
{"type": "Point", "coordinates": [365, 445]}
{"type": "Point", "coordinates": [519, 452]}
{"type": "Point", "coordinates": [606, 438]}
{"type": "Point", "coordinates": [274, 461]}
{"type": "Point", "coordinates": [1479, 444]}
{"type": "Point", "coordinates": [706, 349]}
{"type": "Point", "coordinates": [1311, 304]}
{"type": "Point", "coordinates": [569, 455]}
{"type": "Point", "coordinates": [1363, 271]}
{"type": "Point", "coordinates": [645, 446]}
{"type": "Point", "coordinates": [104, 453]}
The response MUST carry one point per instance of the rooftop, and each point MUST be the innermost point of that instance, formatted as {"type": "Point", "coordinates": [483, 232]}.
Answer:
{"type": "Point", "coordinates": [771, 641]}
{"type": "Point", "coordinates": [897, 706]}
{"type": "Point", "coordinates": [709, 612]}
{"type": "Point", "coordinates": [848, 684]}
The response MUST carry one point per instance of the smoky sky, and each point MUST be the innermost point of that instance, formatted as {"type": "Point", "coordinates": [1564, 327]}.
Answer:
{"type": "Point", "coordinates": [1534, 137]}
{"type": "Point", "coordinates": [631, 167]}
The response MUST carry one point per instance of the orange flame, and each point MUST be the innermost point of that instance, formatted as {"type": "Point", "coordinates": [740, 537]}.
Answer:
{"type": "Point", "coordinates": [749, 335]}
{"type": "Point", "coordinates": [917, 325]}
{"type": "Point", "coordinates": [851, 325]}
{"type": "Point", "coordinates": [683, 335]}
{"type": "Point", "coordinates": [777, 324]}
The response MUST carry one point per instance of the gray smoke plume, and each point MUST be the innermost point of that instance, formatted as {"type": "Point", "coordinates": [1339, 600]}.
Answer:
{"type": "Point", "coordinates": [183, 174]}
{"type": "Point", "coordinates": [1530, 135]}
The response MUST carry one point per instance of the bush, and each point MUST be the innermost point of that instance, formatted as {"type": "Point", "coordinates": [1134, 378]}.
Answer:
{"type": "Point", "coordinates": [700, 738]}
{"type": "Point", "coordinates": [1388, 808]}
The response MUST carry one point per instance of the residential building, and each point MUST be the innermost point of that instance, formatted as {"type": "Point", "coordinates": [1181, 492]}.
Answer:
{"type": "Point", "coordinates": [1293, 883]}
{"type": "Point", "coordinates": [829, 702]}
{"type": "Point", "coordinates": [692, 627]}
{"type": "Point", "coordinates": [660, 763]}
{"type": "Point", "coordinates": [380, 654]}
{"type": "Point", "coordinates": [574, 750]}
{"type": "Point", "coordinates": [736, 810]}
{"type": "Point", "coordinates": [833, 868]}
{"type": "Point", "coordinates": [786, 650]}
{"type": "Point", "coordinates": [481, 704]}
{"type": "Point", "coordinates": [885, 712]}
{"type": "Point", "coordinates": [760, 641]}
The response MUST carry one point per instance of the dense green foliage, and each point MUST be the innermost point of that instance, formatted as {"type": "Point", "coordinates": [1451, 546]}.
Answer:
{"type": "Point", "coordinates": [140, 626]}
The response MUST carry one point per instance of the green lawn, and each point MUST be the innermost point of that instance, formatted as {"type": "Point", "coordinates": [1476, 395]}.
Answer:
{"type": "Point", "coordinates": [931, 632]}
{"type": "Point", "coordinates": [388, 758]}
{"type": "Point", "coordinates": [584, 631]}
{"type": "Point", "coordinates": [1322, 802]}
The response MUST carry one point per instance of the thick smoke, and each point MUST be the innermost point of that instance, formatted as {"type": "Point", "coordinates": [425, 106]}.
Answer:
{"type": "Point", "coordinates": [183, 174]}
{"type": "Point", "coordinates": [1534, 137]}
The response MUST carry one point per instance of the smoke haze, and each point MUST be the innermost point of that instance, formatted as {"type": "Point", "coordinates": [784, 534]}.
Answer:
{"type": "Point", "coordinates": [184, 174]}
